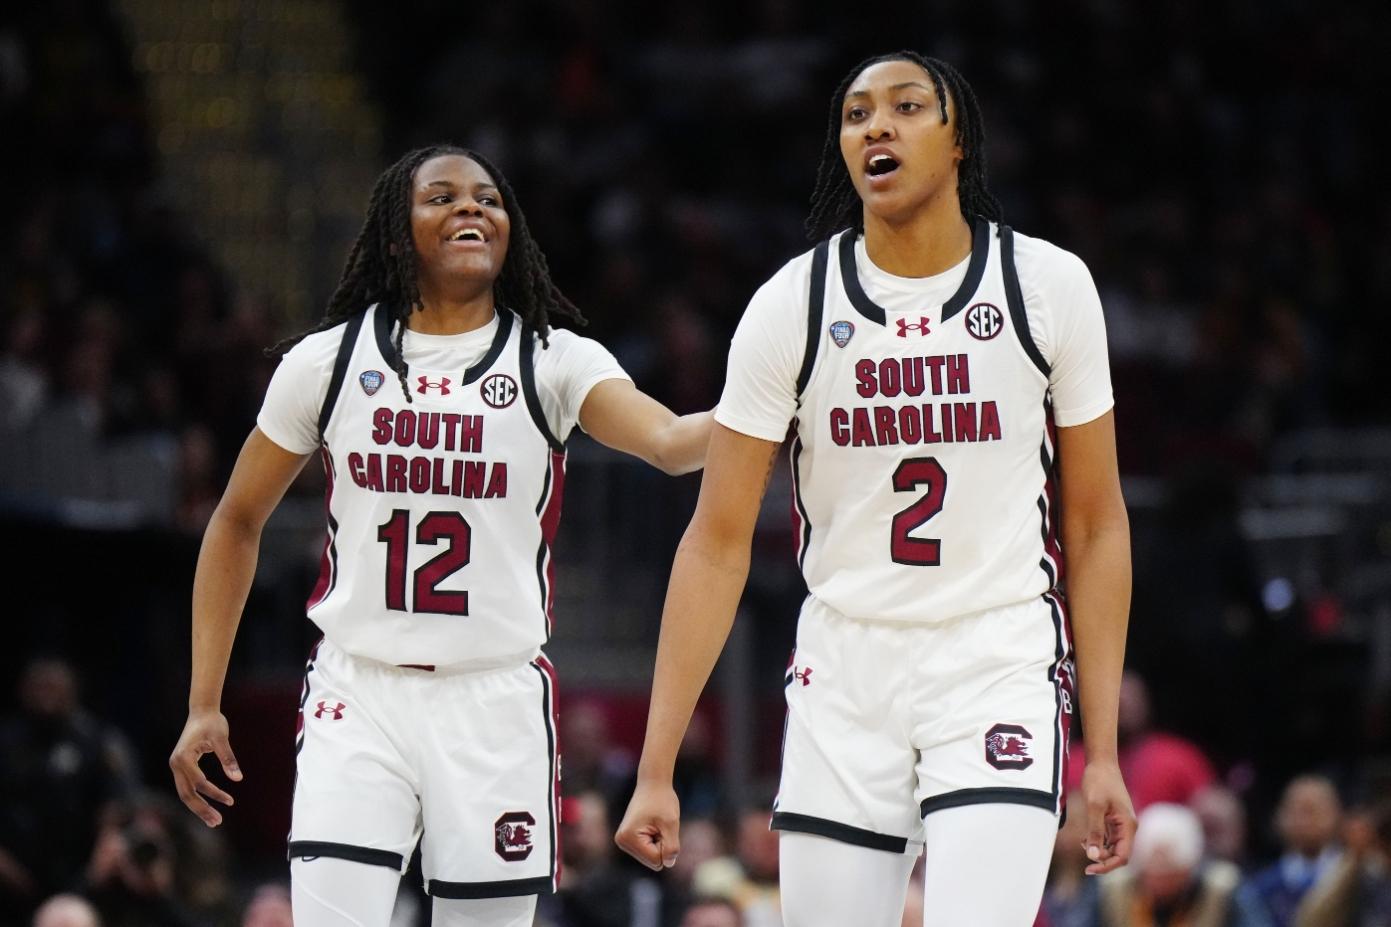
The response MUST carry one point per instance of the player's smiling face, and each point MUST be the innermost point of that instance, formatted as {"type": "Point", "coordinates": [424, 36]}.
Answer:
{"type": "Point", "coordinates": [899, 152]}
{"type": "Point", "coordinates": [458, 223]}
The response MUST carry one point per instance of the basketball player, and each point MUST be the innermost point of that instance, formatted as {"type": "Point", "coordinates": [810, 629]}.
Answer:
{"type": "Point", "coordinates": [947, 386]}
{"type": "Point", "coordinates": [440, 399]}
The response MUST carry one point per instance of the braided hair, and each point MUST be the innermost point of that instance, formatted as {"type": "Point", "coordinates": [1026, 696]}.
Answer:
{"type": "Point", "coordinates": [383, 267]}
{"type": "Point", "coordinates": [834, 203]}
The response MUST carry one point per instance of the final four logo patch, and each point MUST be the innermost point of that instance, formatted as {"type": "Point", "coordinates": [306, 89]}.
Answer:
{"type": "Point", "coordinates": [371, 381]}
{"type": "Point", "coordinates": [841, 333]}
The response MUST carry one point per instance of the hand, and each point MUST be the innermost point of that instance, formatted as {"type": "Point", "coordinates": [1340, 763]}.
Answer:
{"type": "Point", "coordinates": [204, 732]}
{"type": "Point", "coordinates": [1110, 818]}
{"type": "Point", "coordinates": [651, 828]}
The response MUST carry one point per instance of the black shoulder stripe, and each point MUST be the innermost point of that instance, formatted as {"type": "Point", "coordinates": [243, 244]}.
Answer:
{"type": "Point", "coordinates": [340, 371]}
{"type": "Point", "coordinates": [816, 307]}
{"type": "Point", "coordinates": [527, 365]}
{"type": "Point", "coordinates": [1015, 295]}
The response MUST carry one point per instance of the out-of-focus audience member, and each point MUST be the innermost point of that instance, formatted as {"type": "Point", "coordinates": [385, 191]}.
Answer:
{"type": "Point", "coordinates": [749, 878]}
{"type": "Point", "coordinates": [1158, 766]}
{"type": "Point", "coordinates": [713, 912]}
{"type": "Point", "coordinates": [592, 762]}
{"type": "Point", "coordinates": [1168, 883]}
{"type": "Point", "coordinates": [66, 911]}
{"type": "Point", "coordinates": [1357, 892]}
{"type": "Point", "coordinates": [1223, 817]}
{"type": "Point", "coordinates": [60, 767]}
{"type": "Point", "coordinates": [701, 841]}
{"type": "Point", "coordinates": [1071, 897]}
{"type": "Point", "coordinates": [133, 873]}
{"type": "Point", "coordinates": [1307, 821]}
{"type": "Point", "coordinates": [269, 907]}
{"type": "Point", "coordinates": [597, 888]}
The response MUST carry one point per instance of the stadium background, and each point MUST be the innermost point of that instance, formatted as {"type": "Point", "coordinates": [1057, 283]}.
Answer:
{"type": "Point", "coordinates": [182, 180]}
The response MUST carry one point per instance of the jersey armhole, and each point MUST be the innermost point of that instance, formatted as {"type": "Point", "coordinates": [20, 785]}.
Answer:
{"type": "Point", "coordinates": [816, 307]}
{"type": "Point", "coordinates": [340, 371]}
{"type": "Point", "coordinates": [527, 367]}
{"type": "Point", "coordinates": [1014, 294]}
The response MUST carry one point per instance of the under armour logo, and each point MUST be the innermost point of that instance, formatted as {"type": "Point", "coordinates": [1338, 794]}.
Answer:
{"type": "Point", "coordinates": [335, 711]}
{"type": "Point", "coordinates": [425, 385]}
{"type": "Point", "coordinates": [803, 675]}
{"type": "Point", "coordinates": [920, 327]}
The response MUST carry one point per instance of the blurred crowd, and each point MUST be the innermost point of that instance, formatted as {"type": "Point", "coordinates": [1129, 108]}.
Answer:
{"type": "Point", "coordinates": [1212, 163]}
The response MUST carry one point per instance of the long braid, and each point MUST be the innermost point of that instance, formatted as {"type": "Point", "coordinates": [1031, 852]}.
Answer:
{"type": "Point", "coordinates": [834, 203]}
{"type": "Point", "coordinates": [382, 265]}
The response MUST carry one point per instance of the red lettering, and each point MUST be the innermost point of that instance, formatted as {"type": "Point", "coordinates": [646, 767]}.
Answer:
{"type": "Point", "coordinates": [497, 483]}
{"type": "Point", "coordinates": [429, 432]}
{"type": "Point", "coordinates": [884, 430]}
{"type": "Point", "coordinates": [913, 380]}
{"type": "Point", "coordinates": [965, 415]}
{"type": "Point", "coordinates": [374, 472]}
{"type": "Point", "coordinates": [420, 474]}
{"type": "Point", "coordinates": [471, 434]}
{"type": "Point", "coordinates": [451, 423]}
{"type": "Point", "coordinates": [473, 479]}
{"type": "Point", "coordinates": [861, 433]}
{"type": "Point", "coordinates": [930, 435]}
{"type": "Point", "coordinates": [989, 422]}
{"type": "Point", "coordinates": [934, 366]}
{"type": "Point", "coordinates": [381, 426]}
{"type": "Point", "coordinates": [405, 428]}
{"type": "Point", "coordinates": [958, 375]}
{"type": "Point", "coordinates": [889, 383]}
{"type": "Point", "coordinates": [395, 473]}
{"type": "Point", "coordinates": [840, 427]}
{"type": "Point", "coordinates": [355, 469]}
{"type": "Point", "coordinates": [864, 378]}
{"type": "Point", "coordinates": [910, 424]}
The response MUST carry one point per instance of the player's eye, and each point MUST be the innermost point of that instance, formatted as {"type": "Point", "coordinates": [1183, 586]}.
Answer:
{"type": "Point", "coordinates": [855, 114]}
{"type": "Point", "coordinates": [908, 106]}
{"type": "Point", "coordinates": [488, 200]}
{"type": "Point", "coordinates": [441, 198]}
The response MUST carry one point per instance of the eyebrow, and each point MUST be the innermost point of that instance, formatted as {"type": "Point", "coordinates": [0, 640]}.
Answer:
{"type": "Point", "coordinates": [449, 185]}
{"type": "Point", "coordinates": [906, 84]}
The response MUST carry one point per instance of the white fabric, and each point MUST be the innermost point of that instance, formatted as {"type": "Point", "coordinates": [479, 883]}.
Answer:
{"type": "Point", "coordinates": [826, 883]}
{"type": "Point", "coordinates": [565, 373]}
{"type": "Point", "coordinates": [985, 865]}
{"type": "Point", "coordinates": [923, 457]}
{"type": "Point", "coordinates": [328, 892]}
{"type": "Point", "coordinates": [387, 752]}
{"type": "Point", "coordinates": [483, 912]}
{"type": "Point", "coordinates": [882, 716]}
{"type": "Point", "coordinates": [441, 509]}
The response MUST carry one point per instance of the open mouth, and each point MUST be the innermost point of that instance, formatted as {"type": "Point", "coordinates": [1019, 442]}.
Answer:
{"type": "Point", "coordinates": [468, 235]}
{"type": "Point", "coordinates": [881, 164]}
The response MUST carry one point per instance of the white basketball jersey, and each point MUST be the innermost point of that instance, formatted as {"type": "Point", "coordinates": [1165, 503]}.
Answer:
{"type": "Point", "coordinates": [441, 510]}
{"type": "Point", "coordinates": [923, 454]}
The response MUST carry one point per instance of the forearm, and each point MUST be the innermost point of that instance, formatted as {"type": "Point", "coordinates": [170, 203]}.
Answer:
{"type": "Point", "coordinates": [1098, 586]}
{"type": "Point", "coordinates": [707, 579]}
{"type": "Point", "coordinates": [221, 583]}
{"type": "Point", "coordinates": [685, 442]}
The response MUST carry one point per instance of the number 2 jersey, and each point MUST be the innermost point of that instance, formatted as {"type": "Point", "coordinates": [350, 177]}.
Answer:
{"type": "Point", "coordinates": [441, 511]}
{"type": "Point", "coordinates": [922, 410]}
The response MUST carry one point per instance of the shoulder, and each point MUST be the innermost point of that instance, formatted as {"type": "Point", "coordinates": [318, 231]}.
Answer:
{"type": "Point", "coordinates": [564, 346]}
{"type": "Point", "coordinates": [317, 350]}
{"type": "Point", "coordinates": [1044, 265]}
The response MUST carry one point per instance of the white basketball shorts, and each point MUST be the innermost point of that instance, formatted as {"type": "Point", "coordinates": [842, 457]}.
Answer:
{"type": "Point", "coordinates": [888, 722]}
{"type": "Point", "coordinates": [464, 762]}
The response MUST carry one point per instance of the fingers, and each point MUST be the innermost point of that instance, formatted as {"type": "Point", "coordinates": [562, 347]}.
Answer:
{"type": "Point", "coordinates": [223, 749]}
{"type": "Point", "coordinates": [1109, 849]}
{"type": "Point", "coordinates": [194, 788]}
{"type": "Point", "coordinates": [653, 845]}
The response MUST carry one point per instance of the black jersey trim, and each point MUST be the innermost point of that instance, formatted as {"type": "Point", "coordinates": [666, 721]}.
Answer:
{"type": "Point", "coordinates": [1034, 798]}
{"type": "Point", "coordinates": [1059, 658]}
{"type": "Point", "coordinates": [1015, 296]}
{"type": "Point", "coordinates": [313, 849]}
{"type": "Point", "coordinates": [504, 328]}
{"type": "Point", "coordinates": [382, 329]}
{"type": "Point", "coordinates": [527, 366]}
{"type": "Point", "coordinates": [816, 313]}
{"type": "Point", "coordinates": [548, 715]}
{"type": "Point", "coordinates": [975, 270]}
{"type": "Point", "coordinates": [821, 827]}
{"type": "Point", "coordinates": [504, 888]}
{"type": "Point", "coordinates": [346, 346]}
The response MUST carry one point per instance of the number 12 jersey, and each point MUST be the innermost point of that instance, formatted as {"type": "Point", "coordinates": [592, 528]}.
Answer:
{"type": "Point", "coordinates": [923, 410]}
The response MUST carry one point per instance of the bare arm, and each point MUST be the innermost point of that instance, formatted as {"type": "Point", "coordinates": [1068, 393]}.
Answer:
{"type": "Point", "coordinates": [707, 578]}
{"type": "Point", "coordinates": [221, 583]}
{"type": "Point", "coordinates": [1096, 543]}
{"type": "Point", "coordinates": [621, 416]}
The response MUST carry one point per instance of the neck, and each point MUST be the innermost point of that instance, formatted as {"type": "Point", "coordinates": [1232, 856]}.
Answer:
{"type": "Point", "coordinates": [935, 239]}
{"type": "Point", "coordinates": [452, 314]}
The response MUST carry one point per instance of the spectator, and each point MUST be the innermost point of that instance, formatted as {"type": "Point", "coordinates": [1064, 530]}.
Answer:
{"type": "Point", "coordinates": [749, 878]}
{"type": "Point", "coordinates": [1223, 817]}
{"type": "Point", "coordinates": [59, 769]}
{"type": "Point", "coordinates": [1070, 898]}
{"type": "Point", "coordinates": [713, 912]}
{"type": "Point", "coordinates": [1167, 882]}
{"type": "Point", "coordinates": [133, 874]}
{"type": "Point", "coordinates": [595, 889]}
{"type": "Point", "coordinates": [66, 911]}
{"type": "Point", "coordinates": [1307, 821]}
{"type": "Point", "coordinates": [1357, 892]}
{"type": "Point", "coordinates": [269, 907]}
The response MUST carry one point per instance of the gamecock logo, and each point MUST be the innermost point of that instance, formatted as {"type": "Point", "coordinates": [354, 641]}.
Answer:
{"type": "Point", "coordinates": [512, 836]}
{"type": "Point", "coordinates": [1007, 747]}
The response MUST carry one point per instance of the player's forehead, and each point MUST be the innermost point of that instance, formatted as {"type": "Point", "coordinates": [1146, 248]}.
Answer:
{"type": "Point", "coordinates": [885, 76]}
{"type": "Point", "coordinates": [452, 170]}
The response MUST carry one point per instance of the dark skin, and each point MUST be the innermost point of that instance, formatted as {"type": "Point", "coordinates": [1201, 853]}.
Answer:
{"type": "Point", "coordinates": [913, 228]}
{"type": "Point", "coordinates": [449, 194]}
